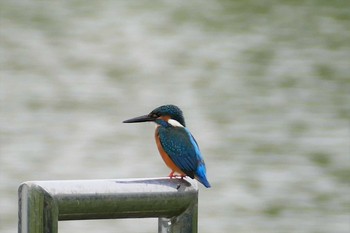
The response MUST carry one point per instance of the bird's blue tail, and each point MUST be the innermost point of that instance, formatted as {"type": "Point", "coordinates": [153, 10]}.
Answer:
{"type": "Point", "coordinates": [201, 176]}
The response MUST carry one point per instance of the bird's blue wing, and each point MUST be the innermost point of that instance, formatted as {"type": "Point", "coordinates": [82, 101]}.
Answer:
{"type": "Point", "coordinates": [181, 147]}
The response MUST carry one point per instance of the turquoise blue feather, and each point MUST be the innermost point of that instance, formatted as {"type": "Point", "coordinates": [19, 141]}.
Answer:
{"type": "Point", "coordinates": [183, 150]}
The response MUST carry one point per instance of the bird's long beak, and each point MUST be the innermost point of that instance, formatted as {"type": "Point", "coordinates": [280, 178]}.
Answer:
{"type": "Point", "coordinates": [139, 119]}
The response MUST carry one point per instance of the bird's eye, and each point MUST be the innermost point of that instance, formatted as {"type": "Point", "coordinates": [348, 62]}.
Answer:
{"type": "Point", "coordinates": [153, 115]}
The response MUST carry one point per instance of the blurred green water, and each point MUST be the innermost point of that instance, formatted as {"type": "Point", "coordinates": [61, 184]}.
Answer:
{"type": "Point", "coordinates": [264, 86]}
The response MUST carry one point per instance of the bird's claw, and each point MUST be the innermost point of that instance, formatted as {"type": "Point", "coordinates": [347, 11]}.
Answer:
{"type": "Point", "coordinates": [172, 176]}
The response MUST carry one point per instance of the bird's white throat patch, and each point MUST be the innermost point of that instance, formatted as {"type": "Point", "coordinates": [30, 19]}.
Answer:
{"type": "Point", "coordinates": [175, 123]}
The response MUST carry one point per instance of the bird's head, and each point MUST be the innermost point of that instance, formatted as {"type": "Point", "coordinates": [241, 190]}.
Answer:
{"type": "Point", "coordinates": [164, 112]}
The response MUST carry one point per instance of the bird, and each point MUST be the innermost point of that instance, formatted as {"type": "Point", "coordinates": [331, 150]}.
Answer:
{"type": "Point", "coordinates": [175, 143]}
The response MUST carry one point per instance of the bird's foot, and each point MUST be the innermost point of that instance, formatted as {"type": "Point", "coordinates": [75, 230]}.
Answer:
{"type": "Point", "coordinates": [172, 176]}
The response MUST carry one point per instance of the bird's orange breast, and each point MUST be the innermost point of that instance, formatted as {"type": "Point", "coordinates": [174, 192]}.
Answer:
{"type": "Point", "coordinates": [166, 157]}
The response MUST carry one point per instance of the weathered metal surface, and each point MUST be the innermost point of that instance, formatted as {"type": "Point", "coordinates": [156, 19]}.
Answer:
{"type": "Point", "coordinates": [43, 203]}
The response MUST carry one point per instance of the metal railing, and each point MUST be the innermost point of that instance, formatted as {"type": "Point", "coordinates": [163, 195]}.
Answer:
{"type": "Point", "coordinates": [43, 203]}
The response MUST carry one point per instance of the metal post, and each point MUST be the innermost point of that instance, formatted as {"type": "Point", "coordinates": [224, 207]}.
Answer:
{"type": "Point", "coordinates": [43, 203]}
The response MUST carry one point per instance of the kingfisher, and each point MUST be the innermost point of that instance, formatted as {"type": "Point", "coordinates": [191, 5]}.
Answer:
{"type": "Point", "coordinates": [175, 143]}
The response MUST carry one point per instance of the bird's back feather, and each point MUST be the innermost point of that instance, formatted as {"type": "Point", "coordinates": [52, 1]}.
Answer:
{"type": "Point", "coordinates": [176, 143]}
{"type": "Point", "coordinates": [183, 150]}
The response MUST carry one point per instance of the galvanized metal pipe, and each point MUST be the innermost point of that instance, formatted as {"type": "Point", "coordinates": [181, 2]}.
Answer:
{"type": "Point", "coordinates": [43, 203]}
